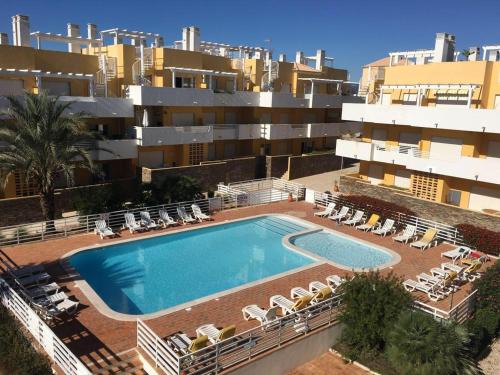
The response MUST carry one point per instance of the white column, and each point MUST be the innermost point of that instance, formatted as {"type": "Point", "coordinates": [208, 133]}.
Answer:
{"type": "Point", "coordinates": [142, 58]}
{"type": "Point", "coordinates": [173, 78]}
{"type": "Point", "coordinates": [312, 95]}
{"type": "Point", "coordinates": [234, 84]}
{"type": "Point", "coordinates": [38, 80]}
{"type": "Point", "coordinates": [91, 87]}
{"type": "Point", "coordinates": [469, 97]}
{"type": "Point", "coordinates": [419, 97]}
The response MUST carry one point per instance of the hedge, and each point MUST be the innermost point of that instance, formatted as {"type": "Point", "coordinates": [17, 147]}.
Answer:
{"type": "Point", "coordinates": [17, 355]}
{"type": "Point", "coordinates": [482, 239]}
{"type": "Point", "coordinates": [386, 210]}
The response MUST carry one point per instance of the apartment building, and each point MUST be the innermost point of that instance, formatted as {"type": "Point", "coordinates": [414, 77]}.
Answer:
{"type": "Point", "coordinates": [431, 126]}
{"type": "Point", "coordinates": [184, 104]}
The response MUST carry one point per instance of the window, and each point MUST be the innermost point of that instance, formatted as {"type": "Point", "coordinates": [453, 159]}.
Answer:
{"type": "Point", "coordinates": [195, 153]}
{"type": "Point", "coordinates": [183, 82]}
{"type": "Point", "coordinates": [24, 187]}
{"type": "Point", "coordinates": [453, 197]}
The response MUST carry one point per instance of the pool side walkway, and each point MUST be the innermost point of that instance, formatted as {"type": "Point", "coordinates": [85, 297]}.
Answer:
{"type": "Point", "coordinates": [94, 337]}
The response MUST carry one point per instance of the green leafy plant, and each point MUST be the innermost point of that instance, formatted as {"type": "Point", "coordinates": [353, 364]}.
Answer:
{"type": "Point", "coordinates": [17, 355]}
{"type": "Point", "coordinates": [92, 200]}
{"type": "Point", "coordinates": [371, 303]}
{"type": "Point", "coordinates": [419, 345]}
{"type": "Point", "coordinates": [180, 188]}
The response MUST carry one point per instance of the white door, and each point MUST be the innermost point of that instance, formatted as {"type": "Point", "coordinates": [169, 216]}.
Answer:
{"type": "Point", "coordinates": [151, 159]}
{"type": "Point", "coordinates": [57, 88]}
{"type": "Point", "coordinates": [493, 149]}
{"type": "Point", "coordinates": [386, 99]}
{"type": "Point", "coordinates": [481, 198]}
{"type": "Point", "coordinates": [208, 118]}
{"type": "Point", "coordinates": [402, 178]}
{"type": "Point", "coordinates": [11, 87]}
{"type": "Point", "coordinates": [183, 119]}
{"type": "Point", "coordinates": [445, 148]}
{"type": "Point", "coordinates": [379, 136]}
{"type": "Point", "coordinates": [376, 174]}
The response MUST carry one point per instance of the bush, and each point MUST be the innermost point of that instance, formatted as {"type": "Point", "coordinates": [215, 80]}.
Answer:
{"type": "Point", "coordinates": [371, 303]}
{"type": "Point", "coordinates": [386, 210]}
{"type": "Point", "coordinates": [485, 324]}
{"type": "Point", "coordinates": [91, 200]}
{"type": "Point", "coordinates": [17, 356]}
{"type": "Point", "coordinates": [419, 345]}
{"type": "Point", "coordinates": [482, 239]}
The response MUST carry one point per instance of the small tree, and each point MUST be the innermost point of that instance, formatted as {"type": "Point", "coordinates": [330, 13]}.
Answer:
{"type": "Point", "coordinates": [419, 345]}
{"type": "Point", "coordinates": [179, 188]}
{"type": "Point", "coordinates": [371, 304]}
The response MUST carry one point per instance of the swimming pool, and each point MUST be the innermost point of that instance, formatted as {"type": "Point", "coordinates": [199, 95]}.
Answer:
{"type": "Point", "coordinates": [149, 275]}
{"type": "Point", "coordinates": [343, 251]}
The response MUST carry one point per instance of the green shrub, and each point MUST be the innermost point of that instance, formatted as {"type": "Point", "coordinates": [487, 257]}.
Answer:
{"type": "Point", "coordinates": [92, 200]}
{"type": "Point", "coordinates": [17, 356]}
{"type": "Point", "coordinates": [488, 288]}
{"type": "Point", "coordinates": [371, 305]}
{"type": "Point", "coordinates": [419, 345]}
{"type": "Point", "coordinates": [482, 239]}
{"type": "Point", "coordinates": [179, 188]}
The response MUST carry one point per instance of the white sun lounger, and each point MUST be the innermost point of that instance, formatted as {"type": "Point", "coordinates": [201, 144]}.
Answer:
{"type": "Point", "coordinates": [35, 291]}
{"type": "Point", "coordinates": [165, 219]}
{"type": "Point", "coordinates": [431, 290]}
{"type": "Point", "coordinates": [262, 315]}
{"type": "Point", "coordinates": [409, 233]}
{"type": "Point", "coordinates": [51, 299]}
{"type": "Point", "coordinates": [23, 271]}
{"type": "Point", "coordinates": [356, 218]}
{"type": "Point", "coordinates": [37, 279]}
{"type": "Point", "coordinates": [146, 220]}
{"type": "Point", "coordinates": [67, 306]}
{"type": "Point", "coordinates": [341, 215]}
{"type": "Point", "coordinates": [214, 334]}
{"type": "Point", "coordinates": [317, 296]}
{"type": "Point", "coordinates": [439, 272]}
{"type": "Point", "coordinates": [457, 253]}
{"type": "Point", "coordinates": [426, 278]}
{"type": "Point", "coordinates": [288, 306]}
{"type": "Point", "coordinates": [102, 229]}
{"type": "Point", "coordinates": [388, 227]}
{"type": "Point", "coordinates": [184, 216]}
{"type": "Point", "coordinates": [328, 211]}
{"type": "Point", "coordinates": [452, 267]}
{"type": "Point", "coordinates": [335, 281]}
{"type": "Point", "coordinates": [131, 224]}
{"type": "Point", "coordinates": [198, 214]}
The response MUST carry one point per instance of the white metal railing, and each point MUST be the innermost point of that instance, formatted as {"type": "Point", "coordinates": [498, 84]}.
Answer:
{"type": "Point", "coordinates": [44, 336]}
{"type": "Point", "coordinates": [445, 232]}
{"type": "Point", "coordinates": [243, 346]}
{"type": "Point", "coordinates": [459, 313]}
{"type": "Point", "coordinates": [64, 227]}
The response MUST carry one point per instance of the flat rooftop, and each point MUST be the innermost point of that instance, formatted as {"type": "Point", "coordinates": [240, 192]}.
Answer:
{"type": "Point", "coordinates": [96, 338]}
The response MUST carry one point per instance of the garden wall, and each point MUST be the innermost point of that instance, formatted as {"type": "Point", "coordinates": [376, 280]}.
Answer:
{"type": "Point", "coordinates": [209, 174]}
{"type": "Point", "coordinates": [25, 210]}
{"type": "Point", "coordinates": [426, 209]}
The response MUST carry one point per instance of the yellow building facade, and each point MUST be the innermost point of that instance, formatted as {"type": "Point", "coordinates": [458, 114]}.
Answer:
{"type": "Point", "coordinates": [184, 104]}
{"type": "Point", "coordinates": [431, 128]}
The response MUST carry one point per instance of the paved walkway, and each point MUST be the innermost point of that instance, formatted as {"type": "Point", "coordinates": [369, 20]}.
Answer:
{"type": "Point", "coordinates": [325, 181]}
{"type": "Point", "coordinates": [327, 364]}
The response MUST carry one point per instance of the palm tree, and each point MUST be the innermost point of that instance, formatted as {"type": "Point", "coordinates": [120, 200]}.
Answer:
{"type": "Point", "coordinates": [419, 345]}
{"type": "Point", "coordinates": [44, 143]}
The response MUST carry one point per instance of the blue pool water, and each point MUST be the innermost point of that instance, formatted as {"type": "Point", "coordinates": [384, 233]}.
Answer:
{"type": "Point", "coordinates": [341, 250]}
{"type": "Point", "coordinates": [149, 275]}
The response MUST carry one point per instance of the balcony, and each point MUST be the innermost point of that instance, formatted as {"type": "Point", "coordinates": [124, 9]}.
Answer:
{"type": "Point", "coordinates": [174, 135]}
{"type": "Point", "coordinates": [477, 169]}
{"type": "Point", "coordinates": [282, 100]}
{"type": "Point", "coordinates": [334, 129]}
{"type": "Point", "coordinates": [115, 149]}
{"type": "Point", "coordinates": [452, 118]}
{"type": "Point", "coordinates": [170, 96]}
{"type": "Point", "coordinates": [92, 106]}
{"type": "Point", "coordinates": [237, 131]}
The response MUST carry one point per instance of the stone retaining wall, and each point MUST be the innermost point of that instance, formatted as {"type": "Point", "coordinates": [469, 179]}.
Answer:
{"type": "Point", "coordinates": [277, 166]}
{"type": "Point", "coordinates": [207, 174]}
{"type": "Point", "coordinates": [440, 212]}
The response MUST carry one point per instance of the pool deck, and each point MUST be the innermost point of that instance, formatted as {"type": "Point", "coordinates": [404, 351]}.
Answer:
{"type": "Point", "coordinates": [95, 338]}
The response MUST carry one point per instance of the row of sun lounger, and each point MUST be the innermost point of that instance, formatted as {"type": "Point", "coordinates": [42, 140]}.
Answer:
{"type": "Point", "coordinates": [300, 298]}
{"type": "Point", "coordinates": [374, 226]}
{"type": "Point", "coordinates": [35, 285]}
{"type": "Point", "coordinates": [147, 223]}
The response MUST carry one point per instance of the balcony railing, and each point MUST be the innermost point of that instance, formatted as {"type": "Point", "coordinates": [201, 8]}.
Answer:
{"type": "Point", "coordinates": [453, 118]}
{"type": "Point", "coordinates": [174, 135]}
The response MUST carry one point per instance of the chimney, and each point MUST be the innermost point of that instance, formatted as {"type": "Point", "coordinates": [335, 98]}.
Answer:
{"type": "Point", "coordinates": [74, 31]}
{"type": "Point", "coordinates": [159, 42]}
{"type": "Point", "coordinates": [282, 57]}
{"type": "Point", "coordinates": [257, 54]}
{"type": "Point", "coordinates": [444, 49]}
{"type": "Point", "coordinates": [475, 54]}
{"type": "Point", "coordinates": [4, 39]}
{"type": "Point", "coordinates": [185, 38]}
{"type": "Point", "coordinates": [194, 38]}
{"type": "Point", "coordinates": [299, 57]}
{"type": "Point", "coordinates": [92, 33]}
{"type": "Point", "coordinates": [320, 59]}
{"type": "Point", "coordinates": [117, 39]}
{"type": "Point", "coordinates": [21, 30]}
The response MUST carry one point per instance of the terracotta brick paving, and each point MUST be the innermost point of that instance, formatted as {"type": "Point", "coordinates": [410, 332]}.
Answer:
{"type": "Point", "coordinates": [93, 336]}
{"type": "Point", "coordinates": [328, 364]}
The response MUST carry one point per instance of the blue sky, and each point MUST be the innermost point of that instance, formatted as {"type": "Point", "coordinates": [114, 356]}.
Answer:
{"type": "Point", "coordinates": [354, 32]}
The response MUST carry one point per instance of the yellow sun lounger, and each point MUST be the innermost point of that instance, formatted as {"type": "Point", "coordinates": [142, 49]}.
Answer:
{"type": "Point", "coordinates": [427, 240]}
{"type": "Point", "coordinates": [370, 224]}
